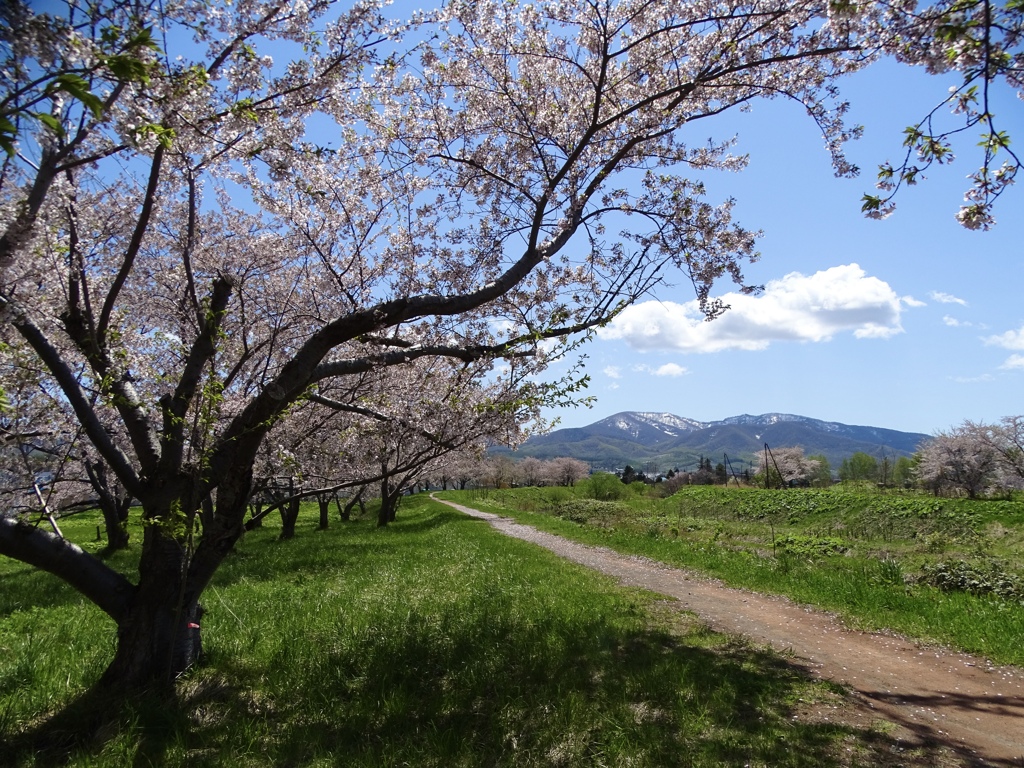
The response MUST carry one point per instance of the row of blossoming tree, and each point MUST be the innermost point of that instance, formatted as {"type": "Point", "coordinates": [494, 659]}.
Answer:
{"type": "Point", "coordinates": [973, 459]}
{"type": "Point", "coordinates": [223, 228]}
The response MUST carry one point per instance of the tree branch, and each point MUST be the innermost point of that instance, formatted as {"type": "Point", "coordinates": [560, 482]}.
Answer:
{"type": "Point", "coordinates": [133, 246]}
{"type": "Point", "coordinates": [203, 348]}
{"type": "Point", "coordinates": [104, 586]}
{"type": "Point", "coordinates": [78, 398]}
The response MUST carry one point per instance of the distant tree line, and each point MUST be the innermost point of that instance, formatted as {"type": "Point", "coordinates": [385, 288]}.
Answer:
{"type": "Point", "coordinates": [972, 459]}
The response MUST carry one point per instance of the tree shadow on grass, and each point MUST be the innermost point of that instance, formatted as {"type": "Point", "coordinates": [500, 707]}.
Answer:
{"type": "Point", "coordinates": [482, 680]}
{"type": "Point", "coordinates": [510, 693]}
{"type": "Point", "coordinates": [26, 587]}
{"type": "Point", "coordinates": [100, 728]}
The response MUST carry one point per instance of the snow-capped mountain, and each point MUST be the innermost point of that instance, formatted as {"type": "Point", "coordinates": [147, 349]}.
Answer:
{"type": "Point", "coordinates": [635, 437]}
{"type": "Point", "coordinates": [647, 428]}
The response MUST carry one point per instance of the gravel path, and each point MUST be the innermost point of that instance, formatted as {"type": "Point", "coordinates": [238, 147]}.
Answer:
{"type": "Point", "coordinates": [939, 697]}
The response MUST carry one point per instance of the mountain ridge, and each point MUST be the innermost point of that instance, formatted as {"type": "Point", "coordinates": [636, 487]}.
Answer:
{"type": "Point", "coordinates": [665, 440]}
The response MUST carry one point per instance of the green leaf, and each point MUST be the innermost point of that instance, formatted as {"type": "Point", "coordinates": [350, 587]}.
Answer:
{"type": "Point", "coordinates": [8, 134]}
{"type": "Point", "coordinates": [110, 34]}
{"type": "Point", "coordinates": [50, 122]}
{"type": "Point", "coordinates": [995, 141]}
{"type": "Point", "coordinates": [128, 69]}
{"type": "Point", "coordinates": [163, 135]}
{"type": "Point", "coordinates": [870, 203]}
{"type": "Point", "coordinates": [76, 86]}
{"type": "Point", "coordinates": [143, 39]}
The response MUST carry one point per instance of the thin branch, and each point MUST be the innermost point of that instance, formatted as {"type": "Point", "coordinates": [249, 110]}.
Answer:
{"type": "Point", "coordinates": [141, 224]}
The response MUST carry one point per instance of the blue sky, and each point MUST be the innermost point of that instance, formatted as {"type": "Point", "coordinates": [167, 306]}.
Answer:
{"type": "Point", "coordinates": [911, 323]}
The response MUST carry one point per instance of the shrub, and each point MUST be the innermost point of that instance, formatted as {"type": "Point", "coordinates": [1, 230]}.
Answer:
{"type": "Point", "coordinates": [603, 486]}
{"type": "Point", "coordinates": [811, 546]}
{"type": "Point", "coordinates": [590, 510]}
{"type": "Point", "coordinates": [986, 578]}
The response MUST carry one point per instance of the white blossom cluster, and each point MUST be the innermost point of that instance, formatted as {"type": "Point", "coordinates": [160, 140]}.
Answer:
{"type": "Point", "coordinates": [254, 234]}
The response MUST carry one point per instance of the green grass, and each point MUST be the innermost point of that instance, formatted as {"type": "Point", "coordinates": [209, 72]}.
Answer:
{"type": "Point", "coordinates": [865, 556]}
{"type": "Point", "coordinates": [436, 641]}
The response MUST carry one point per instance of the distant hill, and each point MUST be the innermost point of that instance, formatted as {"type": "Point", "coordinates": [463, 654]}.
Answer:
{"type": "Point", "coordinates": [660, 441]}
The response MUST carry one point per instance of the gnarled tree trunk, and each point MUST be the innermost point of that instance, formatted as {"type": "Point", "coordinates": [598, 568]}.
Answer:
{"type": "Point", "coordinates": [346, 512]}
{"type": "Point", "coordinates": [158, 636]}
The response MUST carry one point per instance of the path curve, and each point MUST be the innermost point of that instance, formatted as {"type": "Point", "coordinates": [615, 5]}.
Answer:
{"type": "Point", "coordinates": [941, 697]}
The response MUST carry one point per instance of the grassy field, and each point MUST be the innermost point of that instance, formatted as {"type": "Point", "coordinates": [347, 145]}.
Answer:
{"type": "Point", "coordinates": [434, 642]}
{"type": "Point", "coordinates": [948, 571]}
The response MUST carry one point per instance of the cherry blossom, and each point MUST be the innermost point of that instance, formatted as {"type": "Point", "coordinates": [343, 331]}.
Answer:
{"type": "Point", "coordinates": [224, 227]}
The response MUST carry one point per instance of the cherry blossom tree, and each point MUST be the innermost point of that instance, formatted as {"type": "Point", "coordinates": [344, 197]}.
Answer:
{"type": "Point", "coordinates": [44, 463]}
{"type": "Point", "coordinates": [786, 466]}
{"type": "Point", "coordinates": [980, 41]}
{"type": "Point", "coordinates": [1006, 439]}
{"type": "Point", "coordinates": [531, 471]}
{"type": "Point", "coordinates": [567, 471]}
{"type": "Point", "coordinates": [957, 461]}
{"type": "Point", "coordinates": [463, 468]}
{"type": "Point", "coordinates": [412, 418]}
{"type": "Point", "coordinates": [194, 245]}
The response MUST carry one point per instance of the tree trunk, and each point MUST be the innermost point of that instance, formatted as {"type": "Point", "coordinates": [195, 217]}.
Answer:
{"type": "Point", "coordinates": [289, 514]}
{"type": "Point", "coordinates": [393, 509]}
{"type": "Point", "coordinates": [325, 507]}
{"type": "Point", "coordinates": [206, 512]}
{"type": "Point", "coordinates": [255, 510]}
{"type": "Point", "coordinates": [346, 513]}
{"type": "Point", "coordinates": [158, 637]}
{"type": "Point", "coordinates": [155, 644]}
{"type": "Point", "coordinates": [115, 518]}
{"type": "Point", "coordinates": [114, 503]}
{"type": "Point", "coordinates": [389, 499]}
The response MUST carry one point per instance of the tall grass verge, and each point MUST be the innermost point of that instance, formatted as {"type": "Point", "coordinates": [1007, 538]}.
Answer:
{"type": "Point", "coordinates": [434, 642]}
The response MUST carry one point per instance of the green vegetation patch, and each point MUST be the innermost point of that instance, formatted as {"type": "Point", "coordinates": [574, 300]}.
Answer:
{"type": "Point", "coordinates": [946, 571]}
{"type": "Point", "coordinates": [433, 642]}
{"type": "Point", "coordinates": [988, 577]}
{"type": "Point", "coordinates": [590, 511]}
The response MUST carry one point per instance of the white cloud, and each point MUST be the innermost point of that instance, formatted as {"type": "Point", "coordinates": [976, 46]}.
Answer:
{"type": "Point", "coordinates": [1013, 362]}
{"type": "Point", "coordinates": [952, 322]}
{"type": "Point", "coordinates": [1008, 340]}
{"type": "Point", "coordinates": [794, 308]}
{"type": "Point", "coordinates": [547, 346]}
{"type": "Point", "coordinates": [613, 372]}
{"type": "Point", "coordinates": [669, 369]}
{"type": "Point", "coordinates": [973, 379]}
{"type": "Point", "coordinates": [947, 298]}
{"type": "Point", "coordinates": [910, 301]}
{"type": "Point", "coordinates": [502, 328]}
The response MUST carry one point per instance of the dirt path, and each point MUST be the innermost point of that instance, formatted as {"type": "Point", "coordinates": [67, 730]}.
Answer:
{"type": "Point", "coordinates": [937, 697]}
